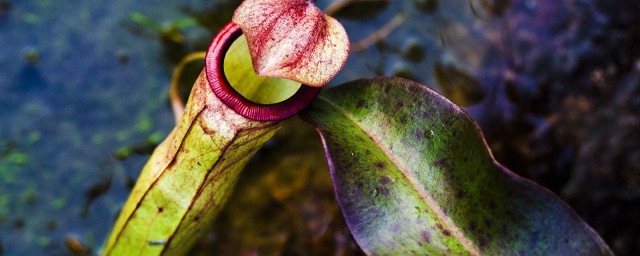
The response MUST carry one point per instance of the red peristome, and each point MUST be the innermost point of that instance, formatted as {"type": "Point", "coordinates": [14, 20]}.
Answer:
{"type": "Point", "coordinates": [214, 68]}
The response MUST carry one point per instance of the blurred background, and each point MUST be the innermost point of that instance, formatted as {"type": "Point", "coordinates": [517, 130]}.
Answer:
{"type": "Point", "coordinates": [554, 84]}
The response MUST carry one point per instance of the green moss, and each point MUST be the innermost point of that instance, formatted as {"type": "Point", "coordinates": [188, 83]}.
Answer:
{"type": "Point", "coordinates": [124, 152]}
{"type": "Point", "coordinates": [19, 158]}
{"type": "Point", "coordinates": [43, 241]}
{"type": "Point", "coordinates": [4, 201]}
{"type": "Point", "coordinates": [29, 195]}
{"type": "Point", "coordinates": [58, 203]}
{"type": "Point", "coordinates": [145, 124]}
{"type": "Point", "coordinates": [98, 139]}
{"type": "Point", "coordinates": [7, 173]}
{"type": "Point", "coordinates": [32, 56]}
{"type": "Point", "coordinates": [34, 137]}
{"type": "Point", "coordinates": [31, 18]}
{"type": "Point", "coordinates": [156, 137]}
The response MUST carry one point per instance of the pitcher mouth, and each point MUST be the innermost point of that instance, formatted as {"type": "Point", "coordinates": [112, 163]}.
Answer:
{"type": "Point", "coordinates": [214, 69]}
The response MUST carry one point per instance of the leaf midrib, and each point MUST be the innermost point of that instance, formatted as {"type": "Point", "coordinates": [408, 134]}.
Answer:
{"type": "Point", "coordinates": [430, 201]}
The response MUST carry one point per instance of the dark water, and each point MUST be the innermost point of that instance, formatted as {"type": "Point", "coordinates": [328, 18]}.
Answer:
{"type": "Point", "coordinates": [76, 85]}
{"type": "Point", "coordinates": [83, 100]}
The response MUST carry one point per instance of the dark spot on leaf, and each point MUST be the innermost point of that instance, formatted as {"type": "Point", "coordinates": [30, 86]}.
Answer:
{"type": "Point", "coordinates": [446, 232]}
{"type": "Point", "coordinates": [160, 209]}
{"type": "Point", "coordinates": [440, 162]}
{"type": "Point", "coordinates": [384, 191]}
{"type": "Point", "coordinates": [460, 194]}
{"type": "Point", "coordinates": [196, 218]}
{"type": "Point", "coordinates": [419, 135]}
{"type": "Point", "coordinates": [403, 119]}
{"type": "Point", "coordinates": [472, 225]}
{"type": "Point", "coordinates": [399, 105]}
{"type": "Point", "coordinates": [482, 242]}
{"type": "Point", "coordinates": [428, 133]}
{"type": "Point", "coordinates": [426, 236]}
{"type": "Point", "coordinates": [384, 180]}
{"type": "Point", "coordinates": [447, 122]}
{"type": "Point", "coordinates": [381, 165]}
{"type": "Point", "coordinates": [395, 227]}
{"type": "Point", "coordinates": [439, 226]}
{"type": "Point", "coordinates": [360, 104]}
{"type": "Point", "coordinates": [490, 235]}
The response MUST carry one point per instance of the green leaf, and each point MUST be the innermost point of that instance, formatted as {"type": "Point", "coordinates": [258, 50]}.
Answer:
{"type": "Point", "coordinates": [413, 175]}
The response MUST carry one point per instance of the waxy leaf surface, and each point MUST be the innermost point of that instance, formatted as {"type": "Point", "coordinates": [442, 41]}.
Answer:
{"type": "Point", "coordinates": [413, 175]}
{"type": "Point", "coordinates": [293, 39]}
{"type": "Point", "coordinates": [188, 178]}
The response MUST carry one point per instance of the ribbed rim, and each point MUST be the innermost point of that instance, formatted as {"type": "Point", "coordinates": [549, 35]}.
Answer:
{"type": "Point", "coordinates": [214, 68]}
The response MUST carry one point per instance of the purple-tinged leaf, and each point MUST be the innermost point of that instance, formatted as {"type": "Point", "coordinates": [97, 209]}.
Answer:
{"type": "Point", "coordinates": [413, 175]}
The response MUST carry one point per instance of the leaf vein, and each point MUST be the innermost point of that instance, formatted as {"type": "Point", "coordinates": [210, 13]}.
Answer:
{"type": "Point", "coordinates": [430, 201]}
